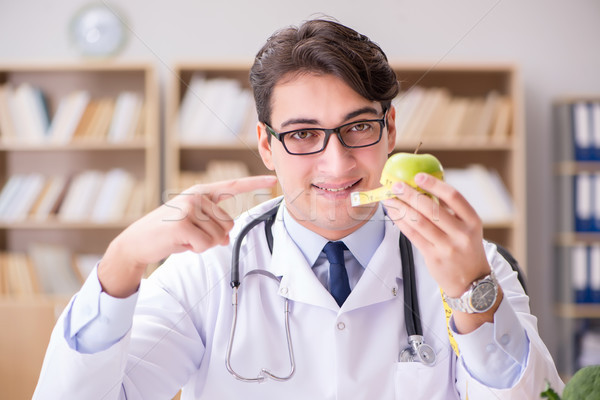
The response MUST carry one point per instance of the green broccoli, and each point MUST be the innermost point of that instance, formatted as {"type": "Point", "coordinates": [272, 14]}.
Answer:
{"type": "Point", "coordinates": [584, 385]}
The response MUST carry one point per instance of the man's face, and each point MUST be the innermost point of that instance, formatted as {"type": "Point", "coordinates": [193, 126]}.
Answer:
{"type": "Point", "coordinates": [317, 187]}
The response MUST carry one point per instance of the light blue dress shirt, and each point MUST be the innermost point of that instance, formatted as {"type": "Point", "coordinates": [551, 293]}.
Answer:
{"type": "Point", "coordinates": [96, 320]}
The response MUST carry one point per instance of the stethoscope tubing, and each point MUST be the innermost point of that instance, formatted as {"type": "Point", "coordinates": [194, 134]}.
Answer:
{"type": "Point", "coordinates": [417, 349]}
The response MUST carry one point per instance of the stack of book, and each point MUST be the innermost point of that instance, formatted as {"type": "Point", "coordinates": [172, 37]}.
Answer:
{"type": "Point", "coordinates": [44, 269]}
{"type": "Point", "coordinates": [484, 190]}
{"type": "Point", "coordinates": [220, 170]}
{"type": "Point", "coordinates": [579, 125]}
{"type": "Point", "coordinates": [25, 117]}
{"type": "Point", "coordinates": [435, 114]}
{"type": "Point", "coordinates": [583, 263]}
{"type": "Point", "coordinates": [91, 196]}
{"type": "Point", "coordinates": [216, 111]}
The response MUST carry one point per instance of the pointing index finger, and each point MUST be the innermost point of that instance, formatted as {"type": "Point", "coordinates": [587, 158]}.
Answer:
{"type": "Point", "coordinates": [218, 191]}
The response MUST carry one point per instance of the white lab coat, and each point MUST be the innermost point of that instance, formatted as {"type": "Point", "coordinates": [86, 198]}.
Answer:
{"type": "Point", "coordinates": [183, 321]}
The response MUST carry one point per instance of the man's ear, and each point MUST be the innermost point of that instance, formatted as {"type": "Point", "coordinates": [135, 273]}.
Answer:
{"type": "Point", "coordinates": [391, 129]}
{"type": "Point", "coordinates": [264, 147]}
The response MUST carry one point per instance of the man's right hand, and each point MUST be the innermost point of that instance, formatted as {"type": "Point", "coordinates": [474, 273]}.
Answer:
{"type": "Point", "coordinates": [190, 221]}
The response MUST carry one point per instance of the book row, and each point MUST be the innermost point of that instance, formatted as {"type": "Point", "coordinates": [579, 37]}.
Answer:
{"type": "Point", "coordinates": [584, 264]}
{"type": "Point", "coordinates": [217, 110]}
{"type": "Point", "coordinates": [580, 195]}
{"type": "Point", "coordinates": [44, 269]}
{"type": "Point", "coordinates": [222, 111]}
{"type": "Point", "coordinates": [90, 195]}
{"type": "Point", "coordinates": [434, 113]}
{"type": "Point", "coordinates": [579, 131]}
{"type": "Point", "coordinates": [26, 117]}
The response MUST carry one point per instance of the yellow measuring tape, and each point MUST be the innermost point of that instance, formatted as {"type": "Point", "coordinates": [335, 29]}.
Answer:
{"type": "Point", "coordinates": [448, 313]}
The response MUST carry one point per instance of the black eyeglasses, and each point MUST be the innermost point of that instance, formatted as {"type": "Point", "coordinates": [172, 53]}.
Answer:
{"type": "Point", "coordinates": [352, 135]}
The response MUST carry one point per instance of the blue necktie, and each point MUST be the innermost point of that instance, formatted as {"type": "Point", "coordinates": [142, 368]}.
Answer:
{"type": "Point", "coordinates": [338, 276]}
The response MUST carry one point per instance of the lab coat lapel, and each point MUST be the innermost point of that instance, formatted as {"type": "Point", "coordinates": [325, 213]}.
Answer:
{"type": "Point", "coordinates": [382, 275]}
{"type": "Point", "coordinates": [298, 281]}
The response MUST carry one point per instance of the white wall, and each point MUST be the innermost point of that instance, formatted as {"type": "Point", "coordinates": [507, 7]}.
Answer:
{"type": "Point", "coordinates": [551, 40]}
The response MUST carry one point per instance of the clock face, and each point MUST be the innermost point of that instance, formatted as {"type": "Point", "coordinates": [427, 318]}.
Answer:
{"type": "Point", "coordinates": [98, 31]}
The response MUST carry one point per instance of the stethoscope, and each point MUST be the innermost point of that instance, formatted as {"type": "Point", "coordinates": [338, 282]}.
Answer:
{"type": "Point", "coordinates": [416, 351]}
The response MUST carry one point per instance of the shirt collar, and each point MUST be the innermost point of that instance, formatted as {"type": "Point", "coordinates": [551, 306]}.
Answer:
{"type": "Point", "coordinates": [362, 243]}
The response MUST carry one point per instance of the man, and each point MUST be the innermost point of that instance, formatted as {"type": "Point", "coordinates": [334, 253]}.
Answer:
{"type": "Point", "coordinates": [123, 338]}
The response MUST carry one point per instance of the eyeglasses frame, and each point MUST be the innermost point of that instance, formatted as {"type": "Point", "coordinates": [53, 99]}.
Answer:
{"type": "Point", "coordinates": [328, 132]}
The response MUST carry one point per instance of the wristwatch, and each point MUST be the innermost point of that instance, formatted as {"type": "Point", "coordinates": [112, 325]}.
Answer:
{"type": "Point", "coordinates": [480, 297]}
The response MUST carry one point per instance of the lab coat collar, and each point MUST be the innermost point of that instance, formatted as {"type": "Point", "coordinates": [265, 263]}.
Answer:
{"type": "Point", "coordinates": [299, 283]}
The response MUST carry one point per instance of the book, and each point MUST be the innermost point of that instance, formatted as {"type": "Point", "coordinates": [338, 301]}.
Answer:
{"type": "Point", "coordinates": [125, 117]}
{"type": "Point", "coordinates": [489, 111]}
{"type": "Point", "coordinates": [80, 197]}
{"type": "Point", "coordinates": [190, 104]}
{"type": "Point", "coordinates": [68, 116]}
{"type": "Point", "coordinates": [595, 128]}
{"type": "Point", "coordinates": [136, 207]}
{"type": "Point", "coordinates": [100, 123]}
{"type": "Point", "coordinates": [113, 196]}
{"type": "Point", "coordinates": [31, 111]}
{"type": "Point", "coordinates": [594, 273]}
{"type": "Point", "coordinates": [83, 129]}
{"type": "Point", "coordinates": [582, 133]}
{"type": "Point", "coordinates": [579, 273]}
{"type": "Point", "coordinates": [436, 121]}
{"type": "Point", "coordinates": [7, 128]}
{"type": "Point", "coordinates": [54, 268]}
{"type": "Point", "coordinates": [596, 201]}
{"type": "Point", "coordinates": [484, 190]}
{"type": "Point", "coordinates": [50, 198]}
{"type": "Point", "coordinates": [20, 279]}
{"type": "Point", "coordinates": [453, 118]}
{"type": "Point", "coordinates": [502, 122]}
{"type": "Point", "coordinates": [584, 203]}
{"type": "Point", "coordinates": [470, 123]}
{"type": "Point", "coordinates": [8, 194]}
{"type": "Point", "coordinates": [31, 187]}
{"type": "Point", "coordinates": [407, 103]}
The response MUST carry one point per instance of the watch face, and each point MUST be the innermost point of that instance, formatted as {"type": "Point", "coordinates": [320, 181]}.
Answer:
{"type": "Point", "coordinates": [483, 296]}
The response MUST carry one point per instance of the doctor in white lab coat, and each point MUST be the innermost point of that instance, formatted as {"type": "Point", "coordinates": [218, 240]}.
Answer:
{"type": "Point", "coordinates": [124, 338]}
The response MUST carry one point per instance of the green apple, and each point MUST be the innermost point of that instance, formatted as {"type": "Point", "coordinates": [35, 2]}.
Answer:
{"type": "Point", "coordinates": [404, 167]}
{"type": "Point", "coordinates": [399, 167]}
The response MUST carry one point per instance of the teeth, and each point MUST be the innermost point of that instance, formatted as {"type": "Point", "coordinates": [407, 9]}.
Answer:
{"type": "Point", "coordinates": [336, 190]}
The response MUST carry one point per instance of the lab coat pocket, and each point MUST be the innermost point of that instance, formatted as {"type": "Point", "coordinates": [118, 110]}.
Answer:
{"type": "Point", "coordinates": [408, 380]}
{"type": "Point", "coordinates": [414, 380]}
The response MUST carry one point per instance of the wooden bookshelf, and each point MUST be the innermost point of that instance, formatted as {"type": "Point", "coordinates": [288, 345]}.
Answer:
{"type": "Point", "coordinates": [576, 306]}
{"type": "Point", "coordinates": [28, 319]}
{"type": "Point", "coordinates": [505, 155]}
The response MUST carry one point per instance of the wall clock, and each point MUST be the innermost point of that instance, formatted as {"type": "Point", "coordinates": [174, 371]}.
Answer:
{"type": "Point", "coordinates": [98, 31]}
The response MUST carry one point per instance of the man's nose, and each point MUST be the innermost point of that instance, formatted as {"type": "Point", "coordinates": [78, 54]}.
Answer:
{"type": "Point", "coordinates": [336, 157]}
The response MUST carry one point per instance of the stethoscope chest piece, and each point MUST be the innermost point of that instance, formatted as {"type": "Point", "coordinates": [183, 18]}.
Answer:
{"type": "Point", "coordinates": [418, 351]}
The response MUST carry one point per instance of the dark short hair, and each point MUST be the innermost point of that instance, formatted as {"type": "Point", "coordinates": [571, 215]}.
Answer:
{"type": "Point", "coordinates": [327, 47]}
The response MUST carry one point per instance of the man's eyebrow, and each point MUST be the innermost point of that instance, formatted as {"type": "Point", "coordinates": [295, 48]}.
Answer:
{"type": "Point", "coordinates": [307, 121]}
{"type": "Point", "coordinates": [360, 111]}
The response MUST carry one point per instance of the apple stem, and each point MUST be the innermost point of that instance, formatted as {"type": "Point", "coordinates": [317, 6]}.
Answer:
{"type": "Point", "coordinates": [418, 147]}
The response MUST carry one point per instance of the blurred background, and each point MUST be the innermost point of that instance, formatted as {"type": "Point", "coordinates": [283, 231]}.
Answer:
{"type": "Point", "coordinates": [550, 45]}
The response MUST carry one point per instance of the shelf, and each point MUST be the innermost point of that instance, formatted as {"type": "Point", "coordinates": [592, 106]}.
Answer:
{"type": "Point", "coordinates": [83, 146]}
{"type": "Point", "coordinates": [578, 310]}
{"type": "Point", "coordinates": [55, 224]}
{"type": "Point", "coordinates": [236, 146]}
{"type": "Point", "coordinates": [463, 145]}
{"type": "Point", "coordinates": [572, 238]}
{"type": "Point", "coordinates": [575, 167]}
